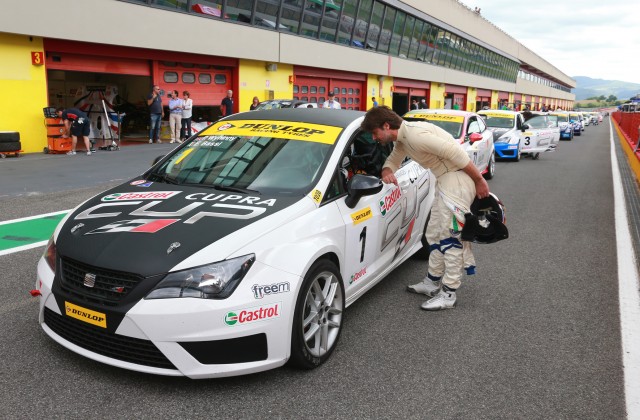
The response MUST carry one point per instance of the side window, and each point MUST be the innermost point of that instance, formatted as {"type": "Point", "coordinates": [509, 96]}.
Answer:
{"type": "Point", "coordinates": [474, 126]}
{"type": "Point", "coordinates": [362, 156]}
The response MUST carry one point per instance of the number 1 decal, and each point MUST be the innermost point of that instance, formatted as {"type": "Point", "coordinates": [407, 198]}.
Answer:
{"type": "Point", "coordinates": [363, 238]}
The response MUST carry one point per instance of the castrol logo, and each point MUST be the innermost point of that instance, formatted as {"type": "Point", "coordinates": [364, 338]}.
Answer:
{"type": "Point", "coordinates": [388, 201]}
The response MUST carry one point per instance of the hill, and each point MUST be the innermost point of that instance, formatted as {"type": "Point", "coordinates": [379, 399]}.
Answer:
{"type": "Point", "coordinates": [587, 87]}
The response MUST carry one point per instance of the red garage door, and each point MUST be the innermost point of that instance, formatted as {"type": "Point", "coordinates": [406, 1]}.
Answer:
{"type": "Point", "coordinates": [314, 85]}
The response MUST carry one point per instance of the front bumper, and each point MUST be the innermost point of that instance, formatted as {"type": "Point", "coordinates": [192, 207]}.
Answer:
{"type": "Point", "coordinates": [180, 337]}
{"type": "Point", "coordinates": [506, 150]}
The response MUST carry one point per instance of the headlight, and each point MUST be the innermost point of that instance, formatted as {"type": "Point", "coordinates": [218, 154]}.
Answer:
{"type": "Point", "coordinates": [504, 139]}
{"type": "Point", "coordinates": [213, 281]}
{"type": "Point", "coordinates": [50, 254]}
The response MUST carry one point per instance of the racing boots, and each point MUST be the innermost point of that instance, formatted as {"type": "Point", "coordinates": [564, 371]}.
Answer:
{"type": "Point", "coordinates": [426, 287]}
{"type": "Point", "coordinates": [445, 299]}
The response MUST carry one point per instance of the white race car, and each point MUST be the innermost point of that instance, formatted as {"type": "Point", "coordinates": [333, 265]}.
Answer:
{"type": "Point", "coordinates": [235, 253]}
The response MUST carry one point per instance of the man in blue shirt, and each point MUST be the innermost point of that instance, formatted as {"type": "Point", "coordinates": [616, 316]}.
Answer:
{"type": "Point", "coordinates": [227, 104]}
{"type": "Point", "coordinates": [156, 113]}
{"type": "Point", "coordinates": [175, 115]}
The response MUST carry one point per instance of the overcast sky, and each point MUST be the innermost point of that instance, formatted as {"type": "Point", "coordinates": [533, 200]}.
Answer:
{"type": "Point", "coordinates": [593, 38]}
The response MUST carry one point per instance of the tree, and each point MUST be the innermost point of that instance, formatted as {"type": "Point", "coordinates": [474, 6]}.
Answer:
{"type": "Point", "coordinates": [612, 98]}
{"type": "Point", "coordinates": [602, 98]}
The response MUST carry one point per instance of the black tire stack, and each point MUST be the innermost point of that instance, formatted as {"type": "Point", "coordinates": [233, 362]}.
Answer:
{"type": "Point", "coordinates": [10, 142]}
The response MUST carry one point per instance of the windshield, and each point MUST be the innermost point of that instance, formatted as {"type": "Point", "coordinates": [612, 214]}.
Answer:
{"type": "Point", "coordinates": [499, 120]}
{"type": "Point", "coordinates": [562, 117]}
{"type": "Point", "coordinates": [450, 124]}
{"type": "Point", "coordinates": [280, 162]}
{"type": "Point", "coordinates": [274, 105]}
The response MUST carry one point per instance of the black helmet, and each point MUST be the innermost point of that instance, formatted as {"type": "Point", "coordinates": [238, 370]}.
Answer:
{"type": "Point", "coordinates": [487, 221]}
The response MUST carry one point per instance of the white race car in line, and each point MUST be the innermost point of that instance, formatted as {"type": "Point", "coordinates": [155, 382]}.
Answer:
{"type": "Point", "coordinates": [235, 253]}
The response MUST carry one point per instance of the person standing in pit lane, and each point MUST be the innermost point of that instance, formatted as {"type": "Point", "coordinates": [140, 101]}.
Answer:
{"type": "Point", "coordinates": [175, 115]}
{"type": "Point", "coordinates": [77, 124]}
{"type": "Point", "coordinates": [156, 113]}
{"type": "Point", "coordinates": [187, 109]}
{"type": "Point", "coordinates": [226, 107]}
{"type": "Point", "coordinates": [458, 182]}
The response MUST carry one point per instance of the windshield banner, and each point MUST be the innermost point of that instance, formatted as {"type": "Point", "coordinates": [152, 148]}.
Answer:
{"type": "Point", "coordinates": [279, 129]}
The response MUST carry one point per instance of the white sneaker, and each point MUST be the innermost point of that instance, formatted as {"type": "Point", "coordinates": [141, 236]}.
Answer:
{"type": "Point", "coordinates": [426, 287]}
{"type": "Point", "coordinates": [150, 141]}
{"type": "Point", "coordinates": [159, 141]}
{"type": "Point", "coordinates": [443, 300]}
{"type": "Point", "coordinates": [71, 152]}
{"type": "Point", "coordinates": [172, 141]}
{"type": "Point", "coordinates": [89, 153]}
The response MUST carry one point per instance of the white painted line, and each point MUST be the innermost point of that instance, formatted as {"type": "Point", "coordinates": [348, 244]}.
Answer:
{"type": "Point", "coordinates": [627, 293]}
{"type": "Point", "coordinates": [23, 248]}
{"type": "Point", "coordinates": [40, 216]}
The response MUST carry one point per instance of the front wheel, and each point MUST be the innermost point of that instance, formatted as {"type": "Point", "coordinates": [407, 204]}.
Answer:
{"type": "Point", "coordinates": [317, 320]}
{"type": "Point", "coordinates": [518, 153]}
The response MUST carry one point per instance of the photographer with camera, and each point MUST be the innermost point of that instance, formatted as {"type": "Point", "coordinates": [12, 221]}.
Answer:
{"type": "Point", "coordinates": [156, 113]}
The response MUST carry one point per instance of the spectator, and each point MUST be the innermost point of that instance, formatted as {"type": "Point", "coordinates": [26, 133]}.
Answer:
{"type": "Point", "coordinates": [175, 115]}
{"type": "Point", "coordinates": [332, 102]}
{"type": "Point", "coordinates": [187, 109]}
{"type": "Point", "coordinates": [227, 104]}
{"type": "Point", "coordinates": [422, 104]}
{"type": "Point", "coordinates": [254, 103]}
{"type": "Point", "coordinates": [373, 99]}
{"type": "Point", "coordinates": [77, 123]}
{"type": "Point", "coordinates": [156, 113]}
{"type": "Point", "coordinates": [414, 104]}
{"type": "Point", "coordinates": [456, 106]}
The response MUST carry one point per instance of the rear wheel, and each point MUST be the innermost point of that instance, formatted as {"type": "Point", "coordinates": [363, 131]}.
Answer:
{"type": "Point", "coordinates": [317, 320]}
{"type": "Point", "coordinates": [535, 156]}
{"type": "Point", "coordinates": [491, 167]}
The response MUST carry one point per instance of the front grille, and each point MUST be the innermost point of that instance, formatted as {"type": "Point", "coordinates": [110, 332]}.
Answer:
{"type": "Point", "coordinates": [110, 286]}
{"type": "Point", "coordinates": [97, 340]}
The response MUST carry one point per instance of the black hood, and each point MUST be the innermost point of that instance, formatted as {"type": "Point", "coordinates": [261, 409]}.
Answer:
{"type": "Point", "coordinates": [130, 228]}
{"type": "Point", "coordinates": [498, 132]}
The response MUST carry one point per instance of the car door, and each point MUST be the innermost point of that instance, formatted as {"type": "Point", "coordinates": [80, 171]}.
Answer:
{"type": "Point", "coordinates": [479, 151]}
{"type": "Point", "coordinates": [537, 136]}
{"type": "Point", "coordinates": [380, 227]}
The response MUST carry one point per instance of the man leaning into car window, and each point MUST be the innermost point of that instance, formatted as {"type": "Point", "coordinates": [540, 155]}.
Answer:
{"type": "Point", "coordinates": [458, 183]}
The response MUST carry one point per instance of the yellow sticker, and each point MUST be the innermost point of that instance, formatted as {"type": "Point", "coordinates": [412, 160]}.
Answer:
{"type": "Point", "coordinates": [316, 195]}
{"type": "Point", "coordinates": [497, 115]}
{"type": "Point", "coordinates": [361, 216]}
{"type": "Point", "coordinates": [85, 315]}
{"type": "Point", "coordinates": [183, 155]}
{"type": "Point", "coordinates": [437, 117]}
{"type": "Point", "coordinates": [289, 130]}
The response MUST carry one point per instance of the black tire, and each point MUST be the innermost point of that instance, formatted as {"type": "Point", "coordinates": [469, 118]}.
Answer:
{"type": "Point", "coordinates": [491, 168]}
{"type": "Point", "coordinates": [535, 156]}
{"type": "Point", "coordinates": [9, 137]}
{"type": "Point", "coordinates": [45, 150]}
{"type": "Point", "coordinates": [325, 277]}
{"type": "Point", "coordinates": [518, 153]}
{"type": "Point", "coordinates": [10, 147]}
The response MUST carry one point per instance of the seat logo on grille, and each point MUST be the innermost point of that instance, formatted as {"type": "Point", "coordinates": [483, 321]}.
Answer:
{"type": "Point", "coordinates": [89, 280]}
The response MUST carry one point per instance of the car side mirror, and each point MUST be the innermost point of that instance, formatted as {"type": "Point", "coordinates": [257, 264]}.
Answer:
{"type": "Point", "coordinates": [360, 186]}
{"type": "Point", "coordinates": [474, 137]}
{"type": "Point", "coordinates": [525, 127]}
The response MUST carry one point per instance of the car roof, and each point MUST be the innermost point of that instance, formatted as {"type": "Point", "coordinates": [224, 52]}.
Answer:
{"type": "Point", "coordinates": [332, 117]}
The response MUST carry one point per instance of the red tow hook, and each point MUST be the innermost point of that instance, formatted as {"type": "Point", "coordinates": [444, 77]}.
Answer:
{"type": "Point", "coordinates": [35, 292]}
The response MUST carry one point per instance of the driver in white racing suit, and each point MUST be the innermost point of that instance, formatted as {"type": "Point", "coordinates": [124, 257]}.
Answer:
{"type": "Point", "coordinates": [458, 183]}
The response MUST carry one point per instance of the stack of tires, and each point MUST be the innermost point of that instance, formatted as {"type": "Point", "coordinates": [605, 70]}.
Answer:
{"type": "Point", "coordinates": [10, 143]}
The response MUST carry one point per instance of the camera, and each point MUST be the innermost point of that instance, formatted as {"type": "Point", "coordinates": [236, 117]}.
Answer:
{"type": "Point", "coordinates": [169, 95]}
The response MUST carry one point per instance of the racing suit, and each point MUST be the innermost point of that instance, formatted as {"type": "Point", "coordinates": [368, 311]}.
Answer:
{"type": "Point", "coordinates": [435, 149]}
